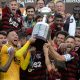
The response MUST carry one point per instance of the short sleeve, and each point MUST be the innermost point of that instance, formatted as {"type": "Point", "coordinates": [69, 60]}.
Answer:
{"type": "Point", "coordinates": [68, 57]}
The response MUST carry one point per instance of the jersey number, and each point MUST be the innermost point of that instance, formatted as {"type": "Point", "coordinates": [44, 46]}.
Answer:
{"type": "Point", "coordinates": [37, 64]}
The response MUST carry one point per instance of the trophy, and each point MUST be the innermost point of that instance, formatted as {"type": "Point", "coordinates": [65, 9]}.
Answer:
{"type": "Point", "coordinates": [41, 29]}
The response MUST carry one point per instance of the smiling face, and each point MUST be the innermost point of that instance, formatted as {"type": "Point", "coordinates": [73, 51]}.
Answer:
{"type": "Point", "coordinates": [58, 21]}
{"type": "Point", "coordinates": [30, 13]}
{"type": "Point", "coordinates": [51, 5]}
{"type": "Point", "coordinates": [60, 7]}
{"type": "Point", "coordinates": [13, 38]}
{"type": "Point", "coordinates": [77, 42]}
{"type": "Point", "coordinates": [60, 39]}
{"type": "Point", "coordinates": [13, 6]}
{"type": "Point", "coordinates": [40, 4]}
{"type": "Point", "coordinates": [2, 39]}
{"type": "Point", "coordinates": [70, 42]}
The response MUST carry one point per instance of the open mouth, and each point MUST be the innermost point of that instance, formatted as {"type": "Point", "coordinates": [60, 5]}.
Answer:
{"type": "Point", "coordinates": [69, 46]}
{"type": "Point", "coordinates": [13, 9]}
{"type": "Point", "coordinates": [4, 42]}
{"type": "Point", "coordinates": [15, 40]}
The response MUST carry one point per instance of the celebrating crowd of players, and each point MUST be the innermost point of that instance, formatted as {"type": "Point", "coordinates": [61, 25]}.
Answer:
{"type": "Point", "coordinates": [23, 57]}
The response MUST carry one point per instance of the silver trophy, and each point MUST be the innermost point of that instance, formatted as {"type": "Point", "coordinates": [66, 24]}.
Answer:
{"type": "Point", "coordinates": [41, 29]}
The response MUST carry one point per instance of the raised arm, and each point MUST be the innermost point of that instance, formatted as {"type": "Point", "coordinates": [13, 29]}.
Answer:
{"type": "Point", "coordinates": [22, 51]}
{"type": "Point", "coordinates": [66, 57]}
{"type": "Point", "coordinates": [50, 66]}
{"type": "Point", "coordinates": [24, 62]}
{"type": "Point", "coordinates": [56, 55]}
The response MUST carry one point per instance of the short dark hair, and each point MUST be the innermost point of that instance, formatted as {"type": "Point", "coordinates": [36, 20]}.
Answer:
{"type": "Point", "coordinates": [22, 35]}
{"type": "Point", "coordinates": [3, 33]}
{"type": "Point", "coordinates": [70, 37]}
{"type": "Point", "coordinates": [57, 15]}
{"type": "Point", "coordinates": [38, 16]}
{"type": "Point", "coordinates": [38, 0]}
{"type": "Point", "coordinates": [60, 1]}
{"type": "Point", "coordinates": [61, 32]}
{"type": "Point", "coordinates": [10, 30]}
{"type": "Point", "coordinates": [12, 1]}
{"type": "Point", "coordinates": [76, 36]}
{"type": "Point", "coordinates": [29, 7]}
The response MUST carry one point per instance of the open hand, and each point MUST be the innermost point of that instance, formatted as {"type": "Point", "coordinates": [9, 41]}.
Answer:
{"type": "Point", "coordinates": [32, 39]}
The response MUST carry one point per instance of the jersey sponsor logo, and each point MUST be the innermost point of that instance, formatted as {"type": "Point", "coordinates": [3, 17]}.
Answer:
{"type": "Point", "coordinates": [12, 22]}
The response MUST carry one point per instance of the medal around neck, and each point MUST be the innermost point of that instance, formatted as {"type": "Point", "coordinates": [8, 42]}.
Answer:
{"type": "Point", "coordinates": [30, 70]}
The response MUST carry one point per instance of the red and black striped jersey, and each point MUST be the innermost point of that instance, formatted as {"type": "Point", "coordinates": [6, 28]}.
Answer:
{"type": "Point", "coordinates": [11, 21]}
{"type": "Point", "coordinates": [71, 68]}
{"type": "Point", "coordinates": [36, 69]}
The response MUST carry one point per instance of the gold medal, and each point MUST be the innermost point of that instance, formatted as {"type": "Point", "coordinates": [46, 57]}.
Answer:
{"type": "Point", "coordinates": [29, 70]}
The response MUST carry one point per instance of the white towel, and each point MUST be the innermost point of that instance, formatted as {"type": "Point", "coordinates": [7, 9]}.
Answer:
{"type": "Point", "coordinates": [72, 26]}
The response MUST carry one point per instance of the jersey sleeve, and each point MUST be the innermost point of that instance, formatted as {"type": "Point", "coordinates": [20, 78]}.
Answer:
{"type": "Point", "coordinates": [25, 62]}
{"type": "Point", "coordinates": [68, 57]}
{"type": "Point", "coordinates": [21, 51]}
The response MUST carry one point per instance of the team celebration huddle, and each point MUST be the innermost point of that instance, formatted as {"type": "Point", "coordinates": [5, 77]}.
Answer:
{"type": "Point", "coordinates": [39, 41]}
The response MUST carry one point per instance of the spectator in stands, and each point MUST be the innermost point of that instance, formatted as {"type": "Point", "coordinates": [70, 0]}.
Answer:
{"type": "Point", "coordinates": [60, 8]}
{"type": "Point", "coordinates": [11, 17]}
{"type": "Point", "coordinates": [51, 5]}
{"type": "Point", "coordinates": [39, 4]}
{"type": "Point", "coordinates": [21, 3]}
{"type": "Point", "coordinates": [29, 20]}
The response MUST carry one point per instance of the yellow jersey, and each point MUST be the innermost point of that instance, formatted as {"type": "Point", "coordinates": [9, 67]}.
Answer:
{"type": "Point", "coordinates": [13, 71]}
